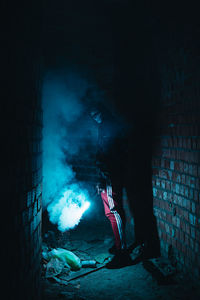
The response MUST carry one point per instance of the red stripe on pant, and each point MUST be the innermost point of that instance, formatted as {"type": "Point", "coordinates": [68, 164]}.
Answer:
{"type": "Point", "coordinates": [114, 214]}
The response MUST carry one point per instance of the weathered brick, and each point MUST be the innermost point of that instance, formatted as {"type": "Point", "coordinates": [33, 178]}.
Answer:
{"type": "Point", "coordinates": [180, 156]}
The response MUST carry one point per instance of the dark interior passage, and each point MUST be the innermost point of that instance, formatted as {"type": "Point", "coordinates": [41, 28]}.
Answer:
{"type": "Point", "coordinates": [140, 62]}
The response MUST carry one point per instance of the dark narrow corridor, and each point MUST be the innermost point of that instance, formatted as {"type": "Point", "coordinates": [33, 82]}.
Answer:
{"type": "Point", "coordinates": [66, 66]}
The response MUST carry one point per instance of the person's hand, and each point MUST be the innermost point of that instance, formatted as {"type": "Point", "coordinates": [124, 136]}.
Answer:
{"type": "Point", "coordinates": [99, 188]}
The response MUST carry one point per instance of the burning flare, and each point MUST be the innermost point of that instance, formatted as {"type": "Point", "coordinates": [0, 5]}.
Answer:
{"type": "Point", "coordinates": [67, 211]}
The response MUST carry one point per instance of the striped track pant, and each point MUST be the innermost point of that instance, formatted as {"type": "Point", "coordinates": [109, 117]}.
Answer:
{"type": "Point", "coordinates": [115, 214]}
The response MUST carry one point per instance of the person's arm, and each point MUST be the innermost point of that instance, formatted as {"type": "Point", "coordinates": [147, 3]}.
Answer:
{"type": "Point", "coordinates": [101, 163]}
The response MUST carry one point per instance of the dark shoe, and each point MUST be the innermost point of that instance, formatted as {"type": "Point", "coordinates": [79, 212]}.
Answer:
{"type": "Point", "coordinates": [138, 254]}
{"type": "Point", "coordinates": [133, 246]}
{"type": "Point", "coordinates": [112, 250]}
{"type": "Point", "coordinates": [142, 253]}
{"type": "Point", "coordinates": [120, 260]}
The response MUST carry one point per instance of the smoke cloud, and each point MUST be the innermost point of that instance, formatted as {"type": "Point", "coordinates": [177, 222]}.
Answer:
{"type": "Point", "coordinates": [64, 198]}
{"type": "Point", "coordinates": [67, 211]}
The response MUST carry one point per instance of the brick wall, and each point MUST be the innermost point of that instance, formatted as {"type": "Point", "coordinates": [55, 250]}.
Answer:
{"type": "Point", "coordinates": [22, 176]}
{"type": "Point", "coordinates": [176, 157]}
{"type": "Point", "coordinates": [25, 207]}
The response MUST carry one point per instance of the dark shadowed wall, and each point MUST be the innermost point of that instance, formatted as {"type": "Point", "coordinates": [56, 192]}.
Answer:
{"type": "Point", "coordinates": [176, 154]}
{"type": "Point", "coordinates": [22, 134]}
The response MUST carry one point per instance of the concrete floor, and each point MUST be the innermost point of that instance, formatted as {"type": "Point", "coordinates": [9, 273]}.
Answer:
{"type": "Point", "coordinates": [91, 240]}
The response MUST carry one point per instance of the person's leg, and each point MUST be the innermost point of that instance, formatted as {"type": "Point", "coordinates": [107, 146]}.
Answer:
{"type": "Point", "coordinates": [146, 243]}
{"type": "Point", "coordinates": [114, 212]}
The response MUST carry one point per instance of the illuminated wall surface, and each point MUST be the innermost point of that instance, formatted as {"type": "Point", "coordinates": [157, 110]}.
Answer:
{"type": "Point", "coordinates": [176, 150]}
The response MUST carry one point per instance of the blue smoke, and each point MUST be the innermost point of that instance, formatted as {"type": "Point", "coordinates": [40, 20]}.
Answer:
{"type": "Point", "coordinates": [63, 197]}
{"type": "Point", "coordinates": [67, 211]}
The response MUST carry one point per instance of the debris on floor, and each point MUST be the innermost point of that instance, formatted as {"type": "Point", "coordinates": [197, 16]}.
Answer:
{"type": "Point", "coordinates": [150, 279]}
{"type": "Point", "coordinates": [62, 265]}
{"type": "Point", "coordinates": [89, 264]}
{"type": "Point", "coordinates": [161, 270]}
{"type": "Point", "coordinates": [164, 265]}
{"type": "Point", "coordinates": [67, 257]}
{"type": "Point", "coordinates": [54, 267]}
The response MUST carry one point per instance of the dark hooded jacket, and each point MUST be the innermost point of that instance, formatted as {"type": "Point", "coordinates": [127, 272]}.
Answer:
{"type": "Point", "coordinates": [111, 151]}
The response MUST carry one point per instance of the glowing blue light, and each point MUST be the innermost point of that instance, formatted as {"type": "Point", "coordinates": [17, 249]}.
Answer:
{"type": "Point", "coordinates": [67, 211]}
{"type": "Point", "coordinates": [85, 206]}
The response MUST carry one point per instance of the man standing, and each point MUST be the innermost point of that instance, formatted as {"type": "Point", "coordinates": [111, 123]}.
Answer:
{"type": "Point", "coordinates": [110, 158]}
